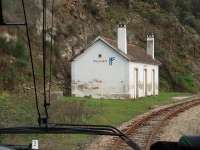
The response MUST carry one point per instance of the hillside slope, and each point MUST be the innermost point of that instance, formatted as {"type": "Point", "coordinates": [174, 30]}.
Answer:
{"type": "Point", "coordinates": [176, 25]}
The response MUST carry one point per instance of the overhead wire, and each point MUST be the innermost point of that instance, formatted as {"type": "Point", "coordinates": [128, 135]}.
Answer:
{"type": "Point", "coordinates": [32, 63]}
{"type": "Point", "coordinates": [51, 51]}
{"type": "Point", "coordinates": [62, 128]}
{"type": "Point", "coordinates": [44, 31]}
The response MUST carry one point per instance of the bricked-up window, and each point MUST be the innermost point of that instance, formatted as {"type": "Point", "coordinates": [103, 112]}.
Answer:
{"type": "Point", "coordinates": [100, 56]}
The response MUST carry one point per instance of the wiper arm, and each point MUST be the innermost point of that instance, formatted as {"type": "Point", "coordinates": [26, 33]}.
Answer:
{"type": "Point", "coordinates": [72, 129]}
{"type": "Point", "coordinates": [15, 147]}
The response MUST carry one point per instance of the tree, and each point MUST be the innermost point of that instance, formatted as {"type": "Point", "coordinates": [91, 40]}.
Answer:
{"type": "Point", "coordinates": [184, 5]}
{"type": "Point", "coordinates": [168, 5]}
{"type": "Point", "coordinates": [196, 8]}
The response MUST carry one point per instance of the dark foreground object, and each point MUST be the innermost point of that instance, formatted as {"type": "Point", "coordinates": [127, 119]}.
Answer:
{"type": "Point", "coordinates": [15, 147]}
{"type": "Point", "coordinates": [191, 141]}
{"type": "Point", "coordinates": [170, 146]}
{"type": "Point", "coordinates": [185, 143]}
{"type": "Point", "coordinates": [72, 129]}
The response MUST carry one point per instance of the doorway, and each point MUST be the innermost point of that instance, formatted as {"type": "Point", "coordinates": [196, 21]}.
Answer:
{"type": "Point", "coordinates": [145, 82]}
{"type": "Point", "coordinates": [136, 83]}
{"type": "Point", "coordinates": [153, 82]}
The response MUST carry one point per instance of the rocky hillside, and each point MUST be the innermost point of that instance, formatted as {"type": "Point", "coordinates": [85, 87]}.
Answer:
{"type": "Point", "coordinates": [175, 23]}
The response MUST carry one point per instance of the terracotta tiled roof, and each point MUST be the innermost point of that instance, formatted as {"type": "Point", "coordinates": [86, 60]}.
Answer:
{"type": "Point", "coordinates": [135, 53]}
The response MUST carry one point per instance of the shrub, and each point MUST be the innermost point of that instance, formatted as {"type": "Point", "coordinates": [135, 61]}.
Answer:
{"type": "Point", "coordinates": [189, 20]}
{"type": "Point", "coordinates": [96, 8]}
{"type": "Point", "coordinates": [71, 112]}
{"type": "Point", "coordinates": [117, 14]}
{"type": "Point", "coordinates": [168, 5]}
{"type": "Point", "coordinates": [13, 60]}
{"type": "Point", "coordinates": [197, 25]}
{"type": "Point", "coordinates": [15, 49]}
{"type": "Point", "coordinates": [5, 45]}
{"type": "Point", "coordinates": [196, 7]}
{"type": "Point", "coordinates": [154, 17]}
{"type": "Point", "coordinates": [8, 78]}
{"type": "Point", "coordinates": [184, 5]}
{"type": "Point", "coordinates": [187, 82]}
{"type": "Point", "coordinates": [159, 18]}
{"type": "Point", "coordinates": [20, 50]}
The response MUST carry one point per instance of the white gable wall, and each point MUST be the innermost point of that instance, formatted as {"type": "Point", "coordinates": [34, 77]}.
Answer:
{"type": "Point", "coordinates": [94, 76]}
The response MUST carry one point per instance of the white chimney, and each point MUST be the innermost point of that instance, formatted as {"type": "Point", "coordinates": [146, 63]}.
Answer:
{"type": "Point", "coordinates": [150, 45]}
{"type": "Point", "coordinates": [122, 38]}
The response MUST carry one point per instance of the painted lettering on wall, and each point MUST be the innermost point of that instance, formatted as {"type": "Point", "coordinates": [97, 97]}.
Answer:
{"type": "Point", "coordinates": [100, 61]}
{"type": "Point", "coordinates": [111, 59]}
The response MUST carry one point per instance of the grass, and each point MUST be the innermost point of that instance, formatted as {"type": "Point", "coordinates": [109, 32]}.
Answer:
{"type": "Point", "coordinates": [15, 111]}
{"type": "Point", "coordinates": [115, 112]}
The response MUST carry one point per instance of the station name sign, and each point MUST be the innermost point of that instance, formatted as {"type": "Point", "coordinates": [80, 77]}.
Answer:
{"type": "Point", "coordinates": [108, 61]}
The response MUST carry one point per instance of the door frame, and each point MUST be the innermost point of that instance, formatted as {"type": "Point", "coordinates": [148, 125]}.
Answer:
{"type": "Point", "coordinates": [153, 82]}
{"type": "Point", "coordinates": [136, 80]}
{"type": "Point", "coordinates": [145, 82]}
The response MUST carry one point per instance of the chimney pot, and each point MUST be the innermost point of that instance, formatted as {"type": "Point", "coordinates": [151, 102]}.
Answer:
{"type": "Point", "coordinates": [150, 44]}
{"type": "Point", "coordinates": [122, 38]}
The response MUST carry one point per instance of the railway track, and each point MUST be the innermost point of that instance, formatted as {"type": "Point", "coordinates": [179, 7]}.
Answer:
{"type": "Point", "coordinates": [145, 130]}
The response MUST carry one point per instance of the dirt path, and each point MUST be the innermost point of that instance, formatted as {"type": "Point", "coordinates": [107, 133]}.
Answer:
{"type": "Point", "coordinates": [186, 123]}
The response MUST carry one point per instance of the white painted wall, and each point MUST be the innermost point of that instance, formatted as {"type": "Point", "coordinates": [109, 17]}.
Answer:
{"type": "Point", "coordinates": [94, 76]}
{"type": "Point", "coordinates": [141, 76]}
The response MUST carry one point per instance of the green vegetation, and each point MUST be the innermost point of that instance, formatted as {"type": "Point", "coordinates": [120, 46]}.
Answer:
{"type": "Point", "coordinates": [188, 11]}
{"type": "Point", "coordinates": [13, 62]}
{"type": "Point", "coordinates": [15, 49]}
{"type": "Point", "coordinates": [188, 82]}
{"type": "Point", "coordinates": [18, 111]}
{"type": "Point", "coordinates": [176, 25]}
{"type": "Point", "coordinates": [114, 112]}
{"type": "Point", "coordinates": [116, 13]}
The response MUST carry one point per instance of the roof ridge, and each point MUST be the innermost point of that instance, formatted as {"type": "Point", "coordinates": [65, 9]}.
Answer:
{"type": "Point", "coordinates": [135, 53]}
{"type": "Point", "coordinates": [104, 37]}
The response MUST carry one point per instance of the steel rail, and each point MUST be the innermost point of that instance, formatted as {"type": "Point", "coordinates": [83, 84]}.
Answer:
{"type": "Point", "coordinates": [136, 125]}
{"type": "Point", "coordinates": [163, 122]}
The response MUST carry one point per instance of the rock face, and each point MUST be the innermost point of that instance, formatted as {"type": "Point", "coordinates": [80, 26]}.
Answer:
{"type": "Point", "coordinates": [77, 22]}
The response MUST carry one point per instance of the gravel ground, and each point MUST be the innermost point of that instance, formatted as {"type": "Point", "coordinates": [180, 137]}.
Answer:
{"type": "Point", "coordinates": [186, 123]}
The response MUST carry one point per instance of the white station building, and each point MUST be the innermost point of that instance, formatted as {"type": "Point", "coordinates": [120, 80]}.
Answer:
{"type": "Point", "coordinates": [109, 69]}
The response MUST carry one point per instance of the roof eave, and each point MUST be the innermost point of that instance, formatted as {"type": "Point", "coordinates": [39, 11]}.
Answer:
{"type": "Point", "coordinates": [148, 63]}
